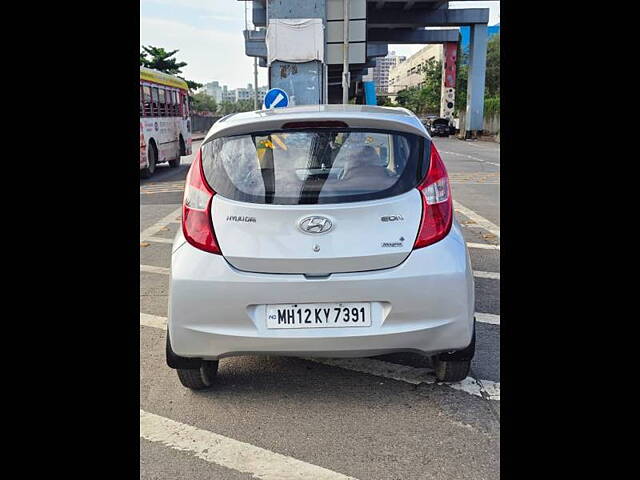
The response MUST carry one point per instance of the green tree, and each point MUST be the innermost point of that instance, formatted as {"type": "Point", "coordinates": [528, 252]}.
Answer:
{"type": "Point", "coordinates": [244, 106]}
{"type": "Point", "coordinates": [225, 108]}
{"type": "Point", "coordinates": [409, 98]}
{"type": "Point", "coordinates": [159, 59]}
{"type": "Point", "coordinates": [425, 98]}
{"type": "Point", "coordinates": [492, 82]}
{"type": "Point", "coordinates": [193, 86]}
{"type": "Point", "coordinates": [430, 93]}
{"type": "Point", "coordinates": [203, 103]}
{"type": "Point", "coordinates": [386, 102]}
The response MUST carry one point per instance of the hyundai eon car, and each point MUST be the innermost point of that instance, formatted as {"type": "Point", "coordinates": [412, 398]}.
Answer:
{"type": "Point", "coordinates": [319, 231]}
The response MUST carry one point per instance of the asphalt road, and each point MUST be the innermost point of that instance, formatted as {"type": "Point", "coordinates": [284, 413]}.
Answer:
{"type": "Point", "coordinates": [381, 418]}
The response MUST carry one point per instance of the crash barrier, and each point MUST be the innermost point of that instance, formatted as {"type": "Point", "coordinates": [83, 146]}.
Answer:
{"type": "Point", "coordinates": [202, 123]}
{"type": "Point", "coordinates": [490, 126]}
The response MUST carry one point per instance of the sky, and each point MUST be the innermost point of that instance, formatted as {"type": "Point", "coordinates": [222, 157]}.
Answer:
{"type": "Point", "coordinates": [208, 34]}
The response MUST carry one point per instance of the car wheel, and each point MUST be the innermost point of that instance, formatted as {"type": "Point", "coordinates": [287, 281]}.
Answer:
{"type": "Point", "coordinates": [199, 378]}
{"type": "Point", "coordinates": [451, 370]}
{"type": "Point", "coordinates": [149, 169]}
{"type": "Point", "coordinates": [455, 366]}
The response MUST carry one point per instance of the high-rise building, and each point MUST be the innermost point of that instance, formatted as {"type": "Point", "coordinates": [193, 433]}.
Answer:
{"type": "Point", "coordinates": [379, 74]}
{"type": "Point", "coordinates": [213, 89]}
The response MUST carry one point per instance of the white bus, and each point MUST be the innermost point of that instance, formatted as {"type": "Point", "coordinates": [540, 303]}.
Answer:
{"type": "Point", "coordinates": [165, 127]}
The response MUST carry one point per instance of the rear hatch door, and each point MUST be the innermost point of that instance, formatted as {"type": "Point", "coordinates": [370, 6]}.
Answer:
{"type": "Point", "coordinates": [316, 202]}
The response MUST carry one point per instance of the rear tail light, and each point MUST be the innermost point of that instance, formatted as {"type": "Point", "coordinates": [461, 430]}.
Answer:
{"type": "Point", "coordinates": [437, 206]}
{"type": "Point", "coordinates": [197, 226]}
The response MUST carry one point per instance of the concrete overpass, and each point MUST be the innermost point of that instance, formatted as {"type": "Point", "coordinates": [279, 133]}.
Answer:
{"type": "Point", "coordinates": [372, 25]}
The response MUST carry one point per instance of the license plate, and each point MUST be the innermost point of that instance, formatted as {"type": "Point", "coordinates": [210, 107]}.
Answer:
{"type": "Point", "coordinates": [319, 315]}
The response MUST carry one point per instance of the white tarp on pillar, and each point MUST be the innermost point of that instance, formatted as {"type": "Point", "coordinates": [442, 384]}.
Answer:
{"type": "Point", "coordinates": [295, 40]}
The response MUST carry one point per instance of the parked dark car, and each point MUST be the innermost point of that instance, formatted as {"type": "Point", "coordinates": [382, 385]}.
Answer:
{"type": "Point", "coordinates": [440, 127]}
{"type": "Point", "coordinates": [427, 124]}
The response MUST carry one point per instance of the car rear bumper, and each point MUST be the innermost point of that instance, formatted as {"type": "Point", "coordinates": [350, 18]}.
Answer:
{"type": "Point", "coordinates": [425, 304]}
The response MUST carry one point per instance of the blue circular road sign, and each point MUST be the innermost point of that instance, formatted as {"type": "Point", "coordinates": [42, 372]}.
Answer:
{"type": "Point", "coordinates": [276, 97]}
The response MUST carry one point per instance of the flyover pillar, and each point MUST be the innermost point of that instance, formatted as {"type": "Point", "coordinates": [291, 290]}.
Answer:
{"type": "Point", "coordinates": [448, 91]}
{"type": "Point", "coordinates": [474, 117]}
{"type": "Point", "coordinates": [302, 81]}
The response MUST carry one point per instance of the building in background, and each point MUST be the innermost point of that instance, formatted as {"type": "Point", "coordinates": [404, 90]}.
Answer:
{"type": "Point", "coordinates": [244, 93]}
{"type": "Point", "coordinates": [221, 93]}
{"type": "Point", "coordinates": [379, 74]}
{"type": "Point", "coordinates": [408, 73]}
{"type": "Point", "coordinates": [262, 91]}
{"type": "Point", "coordinates": [228, 95]}
{"type": "Point", "coordinates": [213, 89]}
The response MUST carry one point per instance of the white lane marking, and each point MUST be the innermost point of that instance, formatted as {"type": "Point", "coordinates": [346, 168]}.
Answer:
{"type": "Point", "coordinates": [480, 221]}
{"type": "Point", "coordinates": [380, 368]}
{"type": "Point", "coordinates": [489, 318]}
{"type": "Point", "coordinates": [471, 157]}
{"type": "Point", "coordinates": [491, 275]}
{"type": "Point", "coordinates": [156, 227]}
{"type": "Point", "coordinates": [154, 321]}
{"type": "Point", "coordinates": [475, 183]}
{"type": "Point", "coordinates": [413, 375]}
{"type": "Point", "coordinates": [159, 240]}
{"type": "Point", "coordinates": [229, 453]}
{"type": "Point", "coordinates": [154, 269]}
{"type": "Point", "coordinates": [485, 246]}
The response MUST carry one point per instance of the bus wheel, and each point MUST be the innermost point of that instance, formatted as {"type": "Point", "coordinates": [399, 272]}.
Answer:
{"type": "Point", "coordinates": [148, 171]}
{"type": "Point", "coordinates": [181, 152]}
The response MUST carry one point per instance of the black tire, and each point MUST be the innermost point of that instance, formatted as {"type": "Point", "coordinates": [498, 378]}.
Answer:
{"type": "Point", "coordinates": [199, 378]}
{"type": "Point", "coordinates": [181, 153]}
{"type": "Point", "coordinates": [455, 366]}
{"type": "Point", "coordinates": [451, 370]}
{"type": "Point", "coordinates": [148, 171]}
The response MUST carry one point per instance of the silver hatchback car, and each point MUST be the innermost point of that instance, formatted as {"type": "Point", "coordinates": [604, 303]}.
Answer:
{"type": "Point", "coordinates": [324, 230]}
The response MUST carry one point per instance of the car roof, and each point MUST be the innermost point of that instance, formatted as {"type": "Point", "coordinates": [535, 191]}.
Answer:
{"type": "Point", "coordinates": [355, 116]}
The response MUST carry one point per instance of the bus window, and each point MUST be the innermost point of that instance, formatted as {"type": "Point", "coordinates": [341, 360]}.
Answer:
{"type": "Point", "coordinates": [141, 102]}
{"type": "Point", "coordinates": [146, 92]}
{"type": "Point", "coordinates": [174, 101]}
{"type": "Point", "coordinates": [154, 102]}
{"type": "Point", "coordinates": [171, 102]}
{"type": "Point", "coordinates": [185, 106]}
{"type": "Point", "coordinates": [163, 103]}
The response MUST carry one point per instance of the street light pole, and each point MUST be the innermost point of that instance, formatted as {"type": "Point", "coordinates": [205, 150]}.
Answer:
{"type": "Point", "coordinates": [255, 84]}
{"type": "Point", "coordinates": [345, 54]}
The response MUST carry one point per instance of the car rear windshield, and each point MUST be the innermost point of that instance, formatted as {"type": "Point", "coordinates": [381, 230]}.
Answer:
{"type": "Point", "coordinates": [293, 167]}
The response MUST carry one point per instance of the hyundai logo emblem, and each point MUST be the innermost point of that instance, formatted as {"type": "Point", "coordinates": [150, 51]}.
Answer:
{"type": "Point", "coordinates": [315, 224]}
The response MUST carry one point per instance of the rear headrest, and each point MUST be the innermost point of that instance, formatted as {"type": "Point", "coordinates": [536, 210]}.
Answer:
{"type": "Point", "coordinates": [365, 156]}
